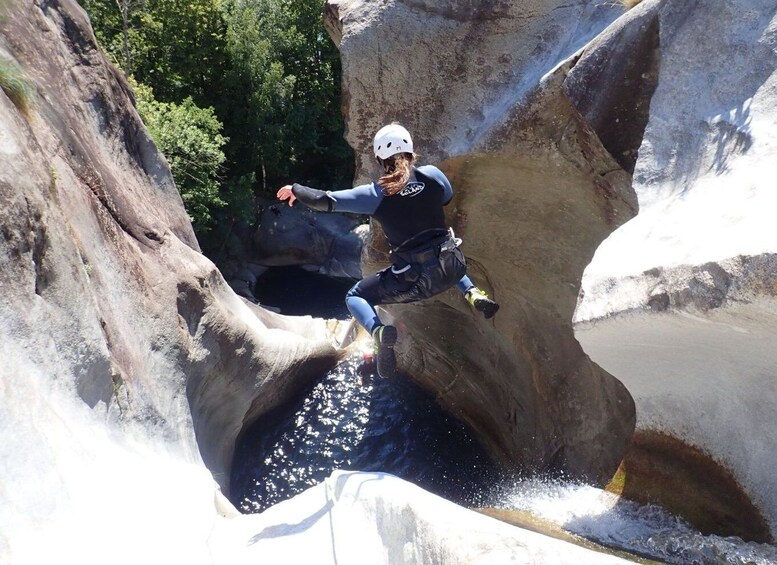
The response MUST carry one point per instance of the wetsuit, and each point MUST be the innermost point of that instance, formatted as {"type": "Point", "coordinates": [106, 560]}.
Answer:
{"type": "Point", "coordinates": [425, 260]}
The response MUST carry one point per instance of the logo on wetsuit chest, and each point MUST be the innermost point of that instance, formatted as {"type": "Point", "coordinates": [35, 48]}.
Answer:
{"type": "Point", "coordinates": [412, 189]}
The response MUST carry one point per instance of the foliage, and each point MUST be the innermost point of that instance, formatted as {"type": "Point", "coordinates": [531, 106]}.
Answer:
{"type": "Point", "coordinates": [15, 85]}
{"type": "Point", "coordinates": [266, 67]}
{"type": "Point", "coordinates": [175, 46]}
{"type": "Point", "coordinates": [190, 137]}
{"type": "Point", "coordinates": [286, 74]}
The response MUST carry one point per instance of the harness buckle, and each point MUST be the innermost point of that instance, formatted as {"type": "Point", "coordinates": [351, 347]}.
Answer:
{"type": "Point", "coordinates": [452, 242]}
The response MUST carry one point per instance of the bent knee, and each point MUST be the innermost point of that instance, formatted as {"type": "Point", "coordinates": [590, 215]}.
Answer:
{"type": "Point", "coordinates": [354, 292]}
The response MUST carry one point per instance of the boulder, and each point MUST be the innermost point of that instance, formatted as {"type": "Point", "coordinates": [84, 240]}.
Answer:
{"type": "Point", "coordinates": [535, 193]}
{"type": "Point", "coordinates": [329, 244]}
{"type": "Point", "coordinates": [679, 303]}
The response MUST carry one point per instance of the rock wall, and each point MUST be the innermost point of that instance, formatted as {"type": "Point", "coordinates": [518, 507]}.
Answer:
{"type": "Point", "coordinates": [450, 72]}
{"type": "Point", "coordinates": [485, 90]}
{"type": "Point", "coordinates": [106, 297]}
{"type": "Point", "coordinates": [680, 302]}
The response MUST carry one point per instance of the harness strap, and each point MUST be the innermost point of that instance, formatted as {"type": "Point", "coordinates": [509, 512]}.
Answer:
{"type": "Point", "coordinates": [399, 271]}
{"type": "Point", "coordinates": [428, 251]}
{"type": "Point", "coordinates": [421, 239]}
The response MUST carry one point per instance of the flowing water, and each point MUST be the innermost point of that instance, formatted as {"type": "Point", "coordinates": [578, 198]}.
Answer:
{"type": "Point", "coordinates": [352, 419]}
{"type": "Point", "coordinates": [645, 530]}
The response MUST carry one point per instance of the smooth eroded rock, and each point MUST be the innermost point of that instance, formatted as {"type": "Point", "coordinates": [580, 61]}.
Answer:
{"type": "Point", "coordinates": [679, 303]}
{"type": "Point", "coordinates": [105, 290]}
{"type": "Point", "coordinates": [535, 193]}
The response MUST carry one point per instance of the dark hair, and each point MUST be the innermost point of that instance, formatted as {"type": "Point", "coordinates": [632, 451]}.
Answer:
{"type": "Point", "coordinates": [397, 169]}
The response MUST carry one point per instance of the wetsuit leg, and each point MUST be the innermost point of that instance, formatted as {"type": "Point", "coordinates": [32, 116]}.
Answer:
{"type": "Point", "coordinates": [387, 287]}
{"type": "Point", "coordinates": [383, 287]}
{"type": "Point", "coordinates": [464, 284]}
{"type": "Point", "coordinates": [360, 309]}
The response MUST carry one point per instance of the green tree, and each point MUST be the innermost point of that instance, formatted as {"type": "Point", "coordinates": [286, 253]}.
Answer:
{"type": "Point", "coordinates": [266, 67]}
{"type": "Point", "coordinates": [190, 137]}
{"type": "Point", "coordinates": [285, 71]}
{"type": "Point", "coordinates": [175, 46]}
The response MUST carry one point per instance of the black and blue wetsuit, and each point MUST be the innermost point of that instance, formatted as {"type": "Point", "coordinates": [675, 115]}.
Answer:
{"type": "Point", "coordinates": [425, 260]}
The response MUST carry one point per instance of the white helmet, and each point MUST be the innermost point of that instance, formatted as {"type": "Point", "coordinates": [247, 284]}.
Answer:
{"type": "Point", "coordinates": [390, 140]}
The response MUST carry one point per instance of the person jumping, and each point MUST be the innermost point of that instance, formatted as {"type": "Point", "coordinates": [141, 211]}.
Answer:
{"type": "Point", "coordinates": [426, 260]}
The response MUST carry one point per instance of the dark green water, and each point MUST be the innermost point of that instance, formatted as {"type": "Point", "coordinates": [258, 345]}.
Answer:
{"type": "Point", "coordinates": [358, 422]}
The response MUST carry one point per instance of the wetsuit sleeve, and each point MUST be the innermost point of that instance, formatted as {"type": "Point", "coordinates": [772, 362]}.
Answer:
{"type": "Point", "coordinates": [313, 197]}
{"type": "Point", "coordinates": [363, 199]}
{"type": "Point", "coordinates": [439, 176]}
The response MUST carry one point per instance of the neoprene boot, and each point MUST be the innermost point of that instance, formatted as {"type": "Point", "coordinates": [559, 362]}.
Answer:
{"type": "Point", "coordinates": [385, 338]}
{"type": "Point", "coordinates": [481, 302]}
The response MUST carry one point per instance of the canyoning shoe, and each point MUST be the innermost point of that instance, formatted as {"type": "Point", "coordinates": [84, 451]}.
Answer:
{"type": "Point", "coordinates": [385, 339]}
{"type": "Point", "coordinates": [481, 302]}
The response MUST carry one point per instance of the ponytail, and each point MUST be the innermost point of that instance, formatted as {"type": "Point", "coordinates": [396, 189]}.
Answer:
{"type": "Point", "coordinates": [398, 169]}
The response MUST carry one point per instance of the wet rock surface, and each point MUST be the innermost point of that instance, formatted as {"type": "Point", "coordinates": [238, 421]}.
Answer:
{"type": "Point", "coordinates": [104, 287]}
{"type": "Point", "coordinates": [679, 303]}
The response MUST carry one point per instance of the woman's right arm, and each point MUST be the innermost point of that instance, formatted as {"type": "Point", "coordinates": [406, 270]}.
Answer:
{"type": "Point", "coordinates": [363, 199]}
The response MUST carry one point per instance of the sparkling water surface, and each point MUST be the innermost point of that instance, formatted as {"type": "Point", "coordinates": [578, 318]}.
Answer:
{"type": "Point", "coordinates": [352, 419]}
